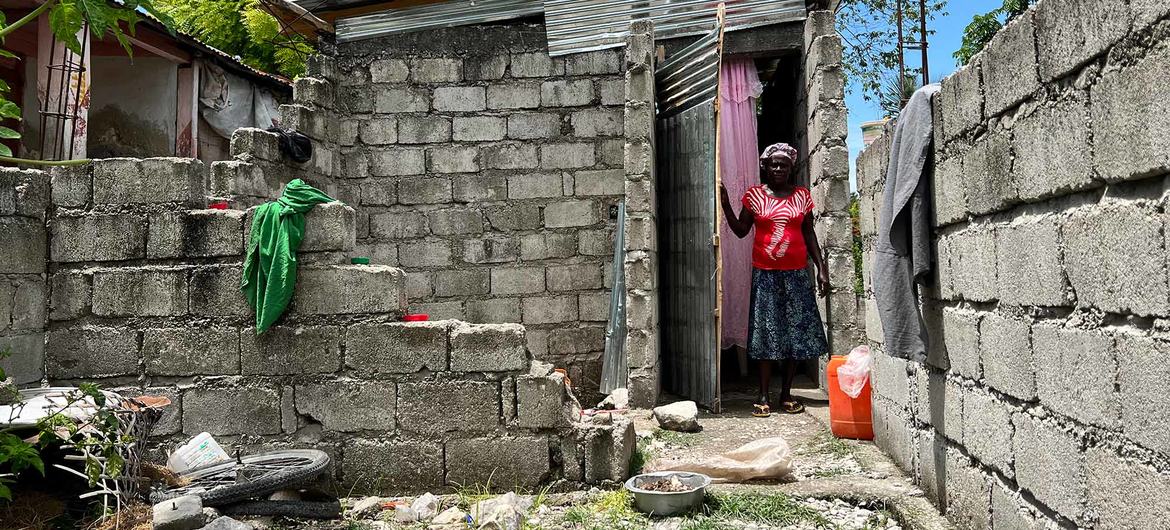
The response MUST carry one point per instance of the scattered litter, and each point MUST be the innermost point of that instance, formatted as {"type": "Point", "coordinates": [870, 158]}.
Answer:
{"type": "Point", "coordinates": [199, 451]}
{"type": "Point", "coordinates": [426, 506]}
{"type": "Point", "coordinates": [404, 514]}
{"type": "Point", "coordinates": [368, 507]}
{"type": "Point", "coordinates": [680, 416]}
{"type": "Point", "coordinates": [617, 400]}
{"type": "Point", "coordinates": [767, 458]}
{"type": "Point", "coordinates": [451, 519]}
{"type": "Point", "coordinates": [853, 375]}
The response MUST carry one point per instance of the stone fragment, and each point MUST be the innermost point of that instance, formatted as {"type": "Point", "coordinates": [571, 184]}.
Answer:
{"type": "Point", "coordinates": [680, 416]}
{"type": "Point", "coordinates": [227, 523]}
{"type": "Point", "coordinates": [182, 513]}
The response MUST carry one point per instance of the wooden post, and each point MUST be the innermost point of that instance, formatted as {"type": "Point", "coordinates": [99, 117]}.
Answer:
{"type": "Point", "coordinates": [187, 114]}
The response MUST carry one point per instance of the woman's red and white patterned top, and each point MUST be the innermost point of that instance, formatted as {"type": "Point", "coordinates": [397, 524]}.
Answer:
{"type": "Point", "coordinates": [779, 241]}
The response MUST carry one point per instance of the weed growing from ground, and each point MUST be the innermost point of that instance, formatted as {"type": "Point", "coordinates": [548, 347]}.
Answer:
{"type": "Point", "coordinates": [677, 439]}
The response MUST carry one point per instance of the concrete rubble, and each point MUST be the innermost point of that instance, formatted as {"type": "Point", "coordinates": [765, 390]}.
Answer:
{"type": "Point", "coordinates": [680, 416]}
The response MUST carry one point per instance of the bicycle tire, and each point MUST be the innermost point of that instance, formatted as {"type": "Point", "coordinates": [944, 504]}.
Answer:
{"type": "Point", "coordinates": [292, 509]}
{"type": "Point", "coordinates": [216, 487]}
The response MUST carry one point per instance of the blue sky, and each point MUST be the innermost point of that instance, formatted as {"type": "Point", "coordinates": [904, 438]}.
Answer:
{"type": "Point", "coordinates": [947, 38]}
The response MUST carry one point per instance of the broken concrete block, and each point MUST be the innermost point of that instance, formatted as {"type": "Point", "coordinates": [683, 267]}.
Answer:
{"type": "Point", "coordinates": [607, 450]}
{"type": "Point", "coordinates": [488, 348]}
{"type": "Point", "coordinates": [681, 416]}
{"type": "Point", "coordinates": [183, 513]}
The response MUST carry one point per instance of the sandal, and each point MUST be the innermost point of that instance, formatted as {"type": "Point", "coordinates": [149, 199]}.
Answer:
{"type": "Point", "coordinates": [792, 407]}
{"type": "Point", "coordinates": [761, 410]}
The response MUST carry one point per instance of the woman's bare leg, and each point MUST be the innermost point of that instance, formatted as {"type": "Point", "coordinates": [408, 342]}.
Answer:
{"type": "Point", "coordinates": [788, 373]}
{"type": "Point", "coordinates": [765, 379]}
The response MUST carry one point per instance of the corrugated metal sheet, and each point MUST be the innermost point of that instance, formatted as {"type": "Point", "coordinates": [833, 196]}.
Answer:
{"type": "Point", "coordinates": [687, 257]}
{"type": "Point", "coordinates": [430, 16]}
{"type": "Point", "coordinates": [690, 77]}
{"type": "Point", "coordinates": [615, 365]}
{"type": "Point", "coordinates": [582, 25]}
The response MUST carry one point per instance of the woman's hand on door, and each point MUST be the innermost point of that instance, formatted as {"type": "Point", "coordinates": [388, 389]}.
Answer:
{"type": "Point", "coordinates": [740, 225]}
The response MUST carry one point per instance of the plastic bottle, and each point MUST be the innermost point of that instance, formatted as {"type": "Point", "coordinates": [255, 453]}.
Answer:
{"type": "Point", "coordinates": [199, 451]}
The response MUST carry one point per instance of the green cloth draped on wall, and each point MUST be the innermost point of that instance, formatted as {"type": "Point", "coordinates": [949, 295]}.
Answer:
{"type": "Point", "coordinates": [270, 265]}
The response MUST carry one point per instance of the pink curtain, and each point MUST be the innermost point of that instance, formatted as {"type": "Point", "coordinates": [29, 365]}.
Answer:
{"type": "Point", "coordinates": [739, 88]}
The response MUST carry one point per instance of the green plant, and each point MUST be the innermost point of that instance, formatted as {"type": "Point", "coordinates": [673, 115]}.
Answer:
{"type": "Point", "coordinates": [241, 28]}
{"type": "Point", "coordinates": [827, 443]}
{"type": "Point", "coordinates": [855, 229]}
{"type": "Point", "coordinates": [776, 509]}
{"type": "Point", "coordinates": [67, 18]}
{"type": "Point", "coordinates": [869, 33]}
{"type": "Point", "coordinates": [983, 27]}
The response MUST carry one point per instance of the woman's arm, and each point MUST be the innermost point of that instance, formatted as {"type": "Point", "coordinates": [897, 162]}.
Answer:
{"type": "Point", "coordinates": [740, 225]}
{"type": "Point", "coordinates": [814, 253]}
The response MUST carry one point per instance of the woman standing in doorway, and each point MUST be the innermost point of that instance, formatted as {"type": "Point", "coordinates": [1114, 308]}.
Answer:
{"type": "Point", "coordinates": [785, 324]}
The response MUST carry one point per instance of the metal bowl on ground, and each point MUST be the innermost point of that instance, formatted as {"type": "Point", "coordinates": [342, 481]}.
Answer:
{"type": "Point", "coordinates": [667, 503]}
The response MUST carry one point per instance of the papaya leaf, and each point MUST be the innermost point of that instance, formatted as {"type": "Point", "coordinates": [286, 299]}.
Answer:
{"type": "Point", "coordinates": [8, 134]}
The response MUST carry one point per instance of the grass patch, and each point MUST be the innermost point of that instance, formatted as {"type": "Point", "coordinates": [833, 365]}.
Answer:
{"type": "Point", "coordinates": [825, 442]}
{"type": "Point", "coordinates": [613, 510]}
{"type": "Point", "coordinates": [677, 439]}
{"type": "Point", "coordinates": [879, 520]}
{"type": "Point", "coordinates": [468, 495]}
{"type": "Point", "coordinates": [776, 509]}
{"type": "Point", "coordinates": [831, 472]}
{"type": "Point", "coordinates": [641, 455]}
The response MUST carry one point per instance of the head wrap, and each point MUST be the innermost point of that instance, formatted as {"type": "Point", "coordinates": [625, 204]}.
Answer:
{"type": "Point", "coordinates": [780, 151]}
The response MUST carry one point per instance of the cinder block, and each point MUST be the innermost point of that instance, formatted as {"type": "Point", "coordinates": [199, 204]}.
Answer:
{"type": "Point", "coordinates": [513, 96]}
{"type": "Point", "coordinates": [397, 466]}
{"type": "Point", "coordinates": [397, 347]}
{"type": "Point", "coordinates": [348, 405]}
{"type": "Point", "coordinates": [578, 277]}
{"type": "Point", "coordinates": [389, 226]}
{"type": "Point", "coordinates": [890, 378]}
{"type": "Point", "coordinates": [1009, 65]}
{"type": "Point", "coordinates": [607, 449]}
{"type": "Point", "coordinates": [641, 348]}
{"type": "Point", "coordinates": [491, 249]}
{"type": "Point", "coordinates": [87, 352]}
{"type": "Point", "coordinates": [1053, 156]}
{"type": "Point", "coordinates": [1077, 372]}
{"type": "Point", "coordinates": [313, 92]}
{"type": "Point", "coordinates": [950, 194]}
{"type": "Point", "coordinates": [512, 462]}
{"type": "Point", "coordinates": [517, 280]}
{"type": "Point", "coordinates": [460, 99]}
{"type": "Point", "coordinates": [549, 309]}
{"type": "Point", "coordinates": [93, 237]}
{"type": "Point", "coordinates": [455, 221]}
{"type": "Point", "coordinates": [25, 193]}
{"type": "Point", "coordinates": [187, 351]}
{"type": "Point", "coordinates": [217, 291]}
{"type": "Point", "coordinates": [570, 213]}
{"type": "Point", "coordinates": [140, 292]}
{"type": "Point", "coordinates": [1105, 255]}
{"type": "Point", "coordinates": [414, 129]}
{"type": "Point", "coordinates": [1124, 493]}
{"type": "Point", "coordinates": [1030, 269]}
{"type": "Point", "coordinates": [225, 411]}
{"type": "Point", "coordinates": [397, 162]}
{"type": "Point", "coordinates": [640, 196]}
{"type": "Point", "coordinates": [70, 295]}
{"type": "Point", "coordinates": [514, 217]}
{"type": "Point", "coordinates": [612, 91]}
{"type": "Point", "coordinates": [535, 186]}
{"type": "Point", "coordinates": [607, 61]}
{"type": "Point", "coordinates": [488, 348]}
{"type": "Point", "coordinates": [425, 254]}
{"type": "Point", "coordinates": [478, 188]}
{"type": "Point", "coordinates": [462, 283]}
{"type": "Point", "coordinates": [548, 245]}
{"type": "Point", "coordinates": [249, 143]}
{"type": "Point", "coordinates": [356, 99]}
{"type": "Point", "coordinates": [283, 350]}
{"type": "Point", "coordinates": [151, 180]}
{"type": "Point", "coordinates": [567, 155]}
{"type": "Point", "coordinates": [537, 64]}
{"type": "Point", "coordinates": [1140, 381]}
{"type": "Point", "coordinates": [973, 264]}
{"type": "Point", "coordinates": [1070, 33]}
{"type": "Point", "coordinates": [961, 99]}
{"type": "Point", "coordinates": [961, 332]}
{"type": "Point", "coordinates": [27, 362]}
{"type": "Point", "coordinates": [22, 303]}
{"type": "Point", "coordinates": [424, 191]}
{"type": "Point", "coordinates": [566, 93]}
{"type": "Point", "coordinates": [448, 406]}
{"type": "Point", "coordinates": [478, 128]}
{"type": "Point", "coordinates": [968, 492]}
{"type": "Point", "coordinates": [598, 242]}
{"type": "Point", "coordinates": [600, 182]}
{"type": "Point", "coordinates": [389, 71]}
{"type": "Point", "coordinates": [987, 430]}
{"type": "Point", "coordinates": [494, 311]}
{"type": "Point", "coordinates": [482, 68]}
{"type": "Point", "coordinates": [1010, 510]}
{"type": "Point", "coordinates": [1121, 104]}
{"type": "Point", "coordinates": [379, 131]}
{"type": "Point", "coordinates": [407, 99]}
{"type": "Point", "coordinates": [542, 402]}
{"type": "Point", "coordinates": [1005, 349]}
{"type": "Point", "coordinates": [509, 156]}
{"type": "Point", "coordinates": [72, 186]}
{"type": "Point", "coordinates": [532, 126]}
{"type": "Point", "coordinates": [320, 125]}
{"type": "Point", "coordinates": [349, 289]}
{"type": "Point", "coordinates": [195, 233]}
{"type": "Point", "coordinates": [987, 172]}
{"type": "Point", "coordinates": [436, 70]}
{"type": "Point", "coordinates": [598, 122]}
{"type": "Point", "coordinates": [1050, 464]}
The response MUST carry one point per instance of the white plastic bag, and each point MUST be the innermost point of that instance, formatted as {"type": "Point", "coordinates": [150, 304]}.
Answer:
{"type": "Point", "coordinates": [853, 375]}
{"type": "Point", "coordinates": [199, 451]}
{"type": "Point", "coordinates": [764, 458]}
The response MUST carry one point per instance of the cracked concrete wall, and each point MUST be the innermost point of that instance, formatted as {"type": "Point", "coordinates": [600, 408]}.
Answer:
{"type": "Point", "coordinates": [489, 172]}
{"type": "Point", "coordinates": [825, 170]}
{"type": "Point", "coordinates": [24, 204]}
{"type": "Point", "coordinates": [1042, 402]}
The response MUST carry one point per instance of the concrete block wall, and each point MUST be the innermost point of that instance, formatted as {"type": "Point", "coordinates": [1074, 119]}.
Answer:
{"type": "Point", "coordinates": [489, 172]}
{"type": "Point", "coordinates": [24, 203]}
{"type": "Point", "coordinates": [143, 297]}
{"type": "Point", "coordinates": [824, 168]}
{"type": "Point", "coordinates": [1041, 403]}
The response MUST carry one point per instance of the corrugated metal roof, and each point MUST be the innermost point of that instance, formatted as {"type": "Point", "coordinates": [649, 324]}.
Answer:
{"type": "Point", "coordinates": [576, 25]}
{"type": "Point", "coordinates": [582, 25]}
{"type": "Point", "coordinates": [430, 16]}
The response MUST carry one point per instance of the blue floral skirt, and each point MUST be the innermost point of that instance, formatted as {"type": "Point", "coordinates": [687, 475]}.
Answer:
{"type": "Point", "coordinates": [785, 322]}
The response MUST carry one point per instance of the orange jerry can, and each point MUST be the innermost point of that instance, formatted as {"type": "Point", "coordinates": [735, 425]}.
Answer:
{"type": "Point", "coordinates": [849, 417]}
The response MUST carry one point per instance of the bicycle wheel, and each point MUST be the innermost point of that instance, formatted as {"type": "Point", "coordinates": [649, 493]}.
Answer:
{"type": "Point", "coordinates": [293, 509]}
{"type": "Point", "coordinates": [252, 476]}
